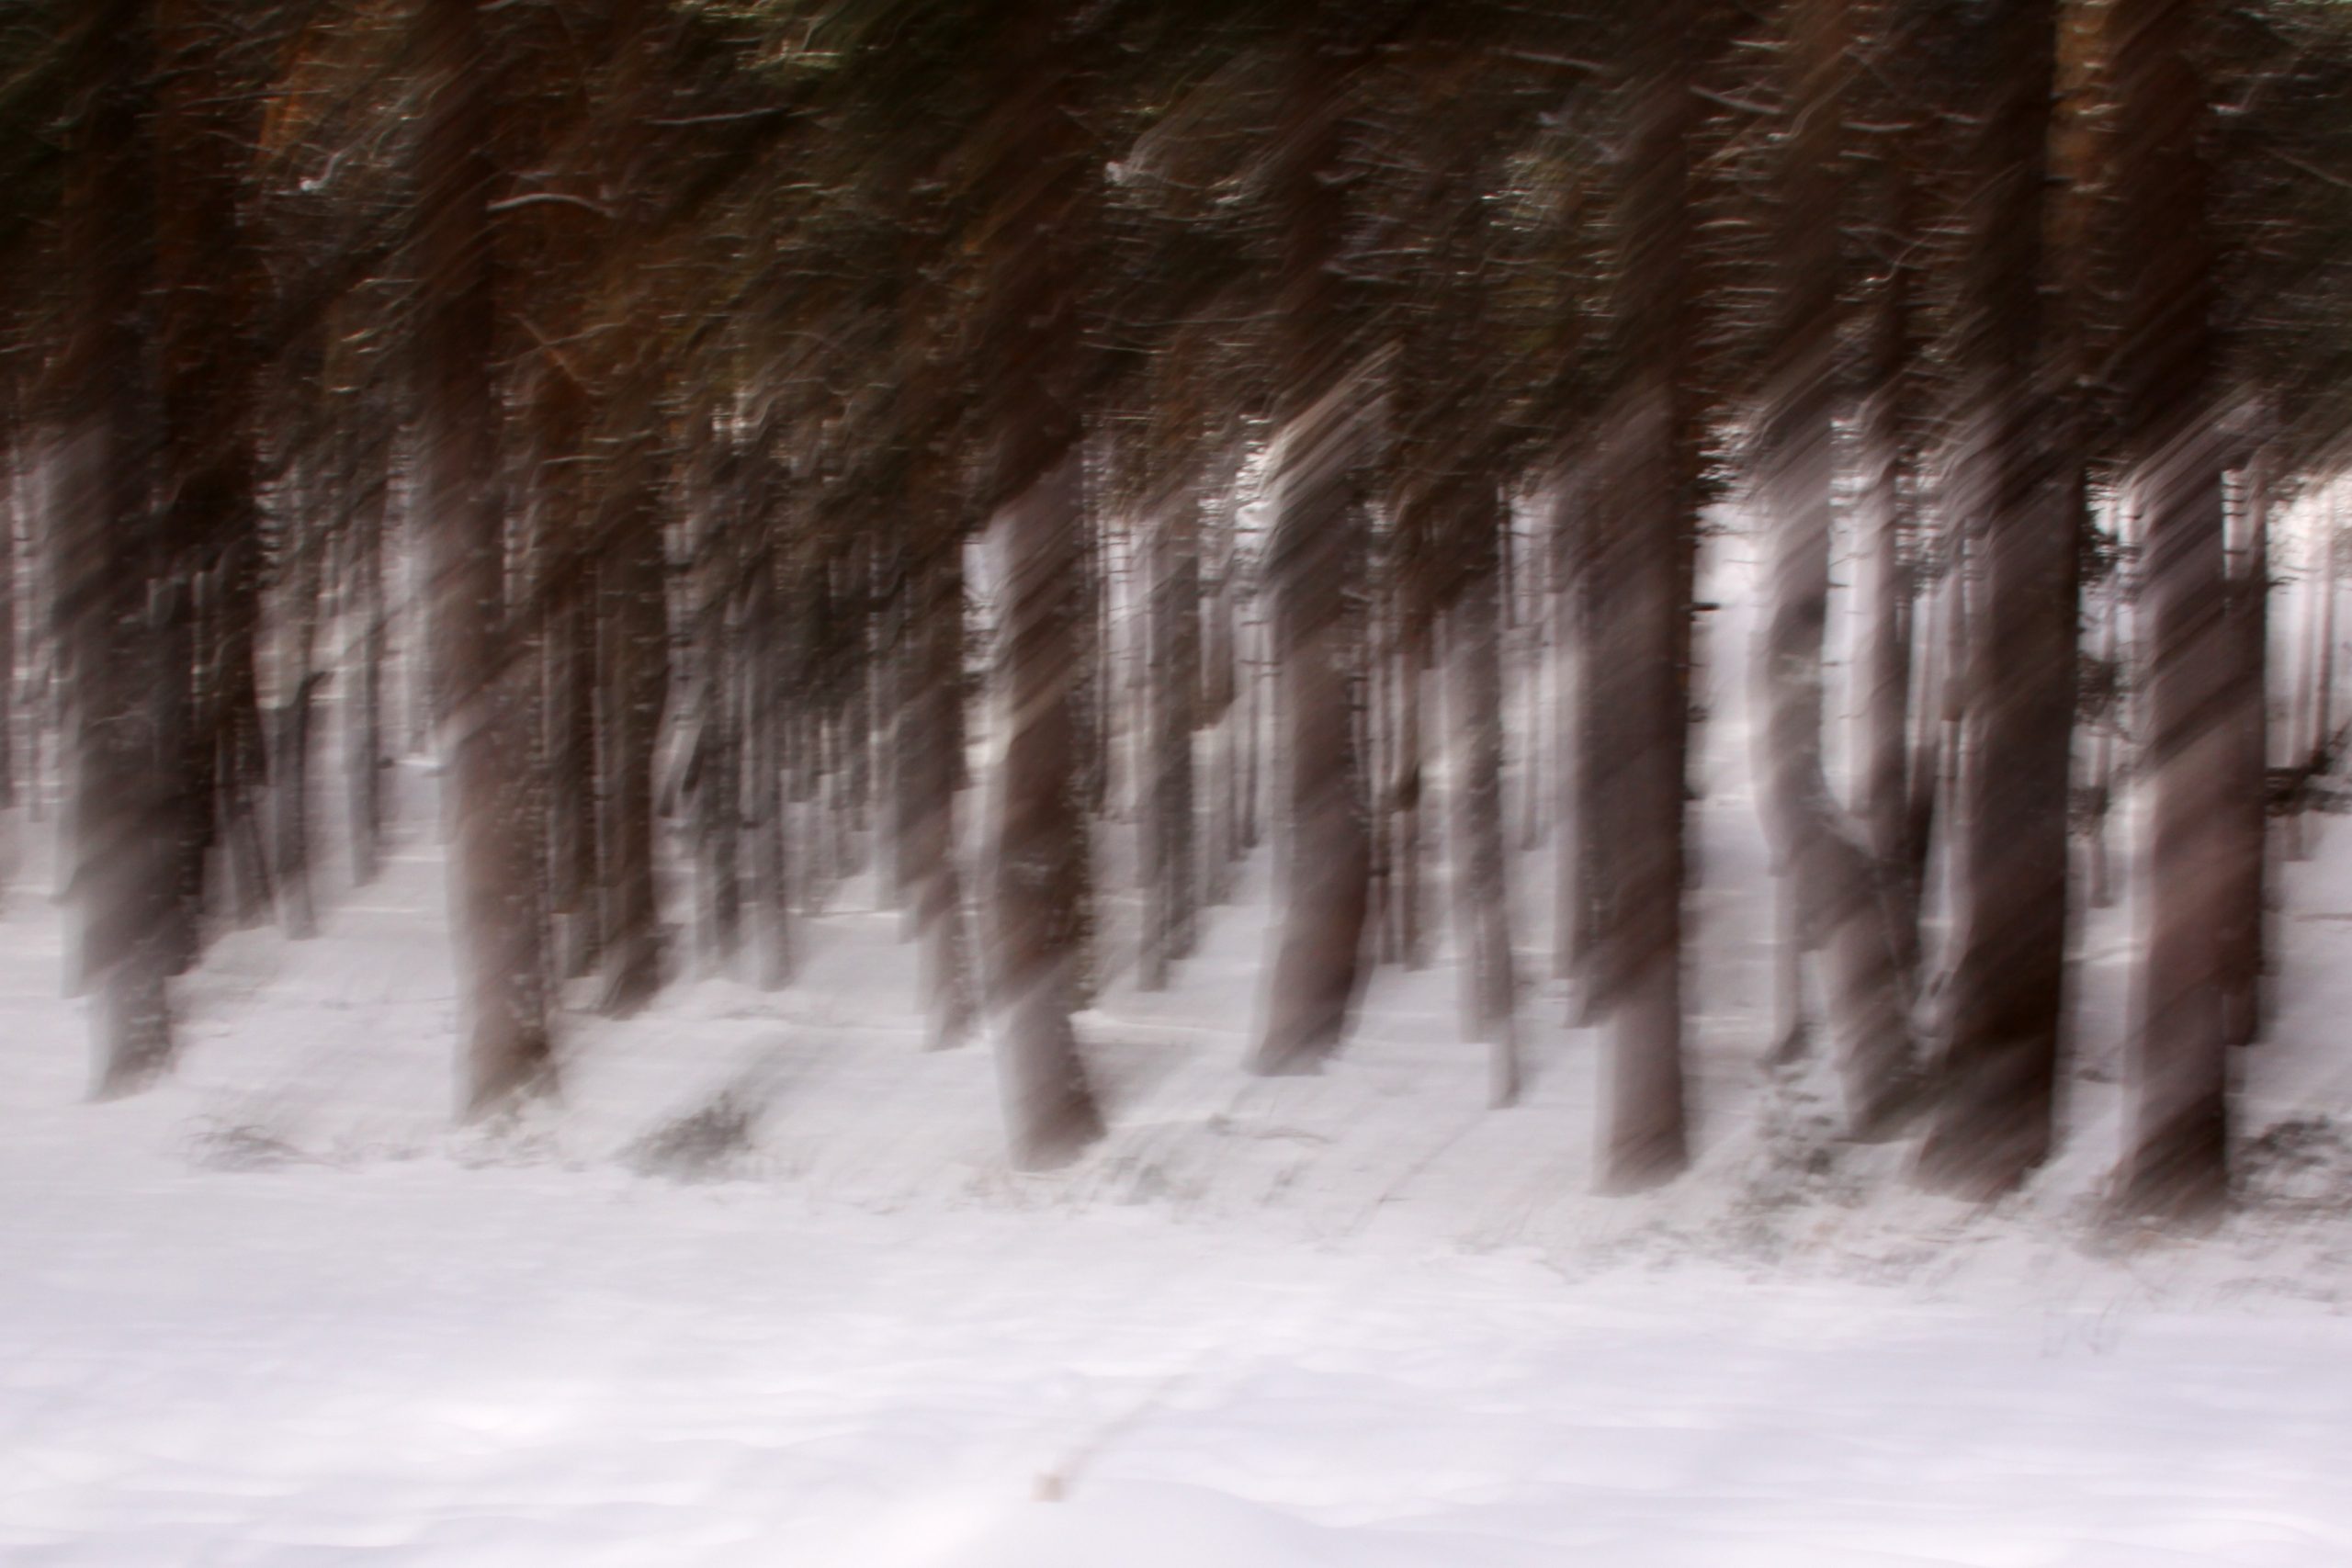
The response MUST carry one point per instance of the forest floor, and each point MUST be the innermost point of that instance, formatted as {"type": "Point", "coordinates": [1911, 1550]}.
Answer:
{"type": "Point", "coordinates": [759, 1289]}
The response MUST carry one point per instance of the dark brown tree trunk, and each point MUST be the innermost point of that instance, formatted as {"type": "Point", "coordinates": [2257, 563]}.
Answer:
{"type": "Point", "coordinates": [568, 659]}
{"type": "Point", "coordinates": [1220, 711]}
{"type": "Point", "coordinates": [12, 508]}
{"type": "Point", "coordinates": [1313, 570]}
{"type": "Point", "coordinates": [124, 834]}
{"type": "Point", "coordinates": [1049, 1107]}
{"type": "Point", "coordinates": [1638, 610]}
{"type": "Point", "coordinates": [718, 765]}
{"type": "Point", "coordinates": [2177, 1157]}
{"type": "Point", "coordinates": [289, 748]}
{"type": "Point", "coordinates": [1405, 789]}
{"type": "Point", "coordinates": [633, 675]}
{"type": "Point", "coordinates": [2322, 756]}
{"type": "Point", "coordinates": [479, 698]}
{"type": "Point", "coordinates": [235, 721]}
{"type": "Point", "coordinates": [211, 286]}
{"type": "Point", "coordinates": [1171, 888]}
{"type": "Point", "coordinates": [2244, 945]}
{"type": "Point", "coordinates": [2007, 992]}
{"type": "Point", "coordinates": [930, 732]}
{"type": "Point", "coordinates": [1327, 886]}
{"type": "Point", "coordinates": [368, 631]}
{"type": "Point", "coordinates": [1040, 187]}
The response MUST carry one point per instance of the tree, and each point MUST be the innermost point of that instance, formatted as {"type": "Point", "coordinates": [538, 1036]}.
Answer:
{"type": "Point", "coordinates": [2005, 994]}
{"type": "Point", "coordinates": [1638, 616]}
{"type": "Point", "coordinates": [1842, 907]}
{"type": "Point", "coordinates": [2177, 1163]}
{"type": "Point", "coordinates": [110, 558]}
{"type": "Point", "coordinates": [480, 699]}
{"type": "Point", "coordinates": [1038, 177]}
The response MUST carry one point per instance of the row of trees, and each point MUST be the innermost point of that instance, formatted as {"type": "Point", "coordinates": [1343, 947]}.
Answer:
{"type": "Point", "coordinates": [679, 349]}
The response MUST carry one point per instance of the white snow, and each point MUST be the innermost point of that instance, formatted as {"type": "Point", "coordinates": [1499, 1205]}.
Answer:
{"type": "Point", "coordinates": [760, 1289]}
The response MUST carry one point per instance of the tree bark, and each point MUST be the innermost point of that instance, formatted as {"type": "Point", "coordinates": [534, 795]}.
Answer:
{"type": "Point", "coordinates": [1481, 893]}
{"type": "Point", "coordinates": [2176, 1159]}
{"type": "Point", "coordinates": [930, 736]}
{"type": "Point", "coordinates": [2244, 945]}
{"type": "Point", "coordinates": [1639, 577]}
{"type": "Point", "coordinates": [478, 698]}
{"type": "Point", "coordinates": [1327, 890]}
{"type": "Point", "coordinates": [1050, 1113]}
{"type": "Point", "coordinates": [1172, 891]}
{"type": "Point", "coordinates": [365, 759]}
{"type": "Point", "coordinates": [633, 659]}
{"type": "Point", "coordinates": [2007, 992]}
{"type": "Point", "coordinates": [107, 558]}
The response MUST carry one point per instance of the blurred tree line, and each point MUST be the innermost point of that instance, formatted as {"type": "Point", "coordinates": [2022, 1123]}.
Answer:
{"type": "Point", "coordinates": [608, 391]}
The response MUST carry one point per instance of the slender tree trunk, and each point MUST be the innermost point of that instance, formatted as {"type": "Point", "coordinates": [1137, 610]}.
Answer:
{"type": "Point", "coordinates": [931, 731]}
{"type": "Point", "coordinates": [2100, 892]}
{"type": "Point", "coordinates": [767, 684]}
{"type": "Point", "coordinates": [290, 739]}
{"type": "Point", "coordinates": [1173, 684]}
{"type": "Point", "coordinates": [2007, 993]}
{"type": "Point", "coordinates": [366, 627]}
{"type": "Point", "coordinates": [237, 724]}
{"type": "Point", "coordinates": [2245, 951]}
{"type": "Point", "coordinates": [478, 703]}
{"type": "Point", "coordinates": [718, 811]}
{"type": "Point", "coordinates": [2323, 756]}
{"type": "Point", "coordinates": [12, 488]}
{"type": "Point", "coordinates": [633, 660]}
{"type": "Point", "coordinates": [1481, 896]}
{"type": "Point", "coordinates": [1219, 711]}
{"type": "Point", "coordinates": [1567, 886]}
{"type": "Point", "coordinates": [1406, 790]}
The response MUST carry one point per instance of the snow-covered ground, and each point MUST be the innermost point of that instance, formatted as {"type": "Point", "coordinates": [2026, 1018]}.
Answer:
{"type": "Point", "coordinates": [760, 1289]}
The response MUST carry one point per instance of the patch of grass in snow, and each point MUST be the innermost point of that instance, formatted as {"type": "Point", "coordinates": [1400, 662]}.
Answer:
{"type": "Point", "coordinates": [2303, 1165]}
{"type": "Point", "coordinates": [221, 1145]}
{"type": "Point", "coordinates": [711, 1144]}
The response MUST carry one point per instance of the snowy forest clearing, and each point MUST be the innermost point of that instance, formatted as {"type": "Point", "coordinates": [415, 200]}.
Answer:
{"type": "Point", "coordinates": [760, 1287]}
{"type": "Point", "coordinates": [416, 1362]}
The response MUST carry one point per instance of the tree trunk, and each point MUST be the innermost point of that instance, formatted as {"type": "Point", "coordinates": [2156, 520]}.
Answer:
{"type": "Point", "coordinates": [1639, 643]}
{"type": "Point", "coordinates": [365, 759]}
{"type": "Point", "coordinates": [930, 735]}
{"type": "Point", "coordinates": [237, 726]}
{"type": "Point", "coordinates": [1172, 891]}
{"type": "Point", "coordinates": [633, 658]}
{"type": "Point", "coordinates": [1313, 568]}
{"type": "Point", "coordinates": [1050, 1113]}
{"type": "Point", "coordinates": [2007, 991]}
{"type": "Point", "coordinates": [1840, 908]}
{"type": "Point", "coordinates": [1481, 896]}
{"type": "Point", "coordinates": [2246, 950]}
{"type": "Point", "coordinates": [2176, 1159]}
{"type": "Point", "coordinates": [107, 552]}
{"type": "Point", "coordinates": [290, 739]}
{"type": "Point", "coordinates": [478, 703]}
{"type": "Point", "coordinates": [718, 811]}
{"type": "Point", "coordinates": [12, 487]}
